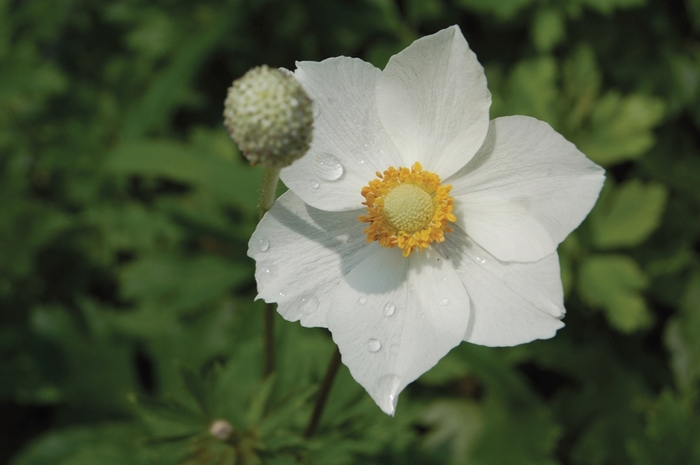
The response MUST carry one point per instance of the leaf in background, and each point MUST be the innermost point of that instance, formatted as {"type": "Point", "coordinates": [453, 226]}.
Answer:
{"type": "Point", "coordinates": [548, 29]}
{"type": "Point", "coordinates": [620, 127]}
{"type": "Point", "coordinates": [170, 87]}
{"type": "Point", "coordinates": [627, 214]}
{"type": "Point", "coordinates": [608, 6]}
{"type": "Point", "coordinates": [232, 181]}
{"type": "Point", "coordinates": [453, 424]}
{"type": "Point", "coordinates": [613, 282]}
{"type": "Point", "coordinates": [581, 80]}
{"type": "Point", "coordinates": [531, 89]}
{"type": "Point", "coordinates": [672, 433]}
{"type": "Point", "coordinates": [178, 283]}
{"type": "Point", "coordinates": [682, 338]}
{"type": "Point", "coordinates": [108, 444]}
{"type": "Point", "coordinates": [503, 9]}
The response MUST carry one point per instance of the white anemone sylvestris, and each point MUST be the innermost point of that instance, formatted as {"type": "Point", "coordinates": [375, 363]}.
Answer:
{"type": "Point", "coordinates": [413, 223]}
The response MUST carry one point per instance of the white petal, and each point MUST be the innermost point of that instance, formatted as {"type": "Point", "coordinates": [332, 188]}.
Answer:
{"type": "Point", "coordinates": [387, 347]}
{"type": "Point", "coordinates": [525, 190]}
{"type": "Point", "coordinates": [434, 103]}
{"type": "Point", "coordinates": [300, 255]}
{"type": "Point", "coordinates": [512, 303]}
{"type": "Point", "coordinates": [349, 143]}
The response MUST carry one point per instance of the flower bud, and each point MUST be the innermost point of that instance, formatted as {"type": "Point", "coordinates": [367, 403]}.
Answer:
{"type": "Point", "coordinates": [270, 116]}
{"type": "Point", "coordinates": [221, 429]}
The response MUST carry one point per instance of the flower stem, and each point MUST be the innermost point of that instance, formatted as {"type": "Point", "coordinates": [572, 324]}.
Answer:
{"type": "Point", "coordinates": [323, 392]}
{"type": "Point", "coordinates": [267, 198]}
{"type": "Point", "coordinates": [268, 189]}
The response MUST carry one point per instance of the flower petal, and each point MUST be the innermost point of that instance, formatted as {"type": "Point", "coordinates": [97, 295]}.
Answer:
{"type": "Point", "coordinates": [349, 143]}
{"type": "Point", "coordinates": [300, 255]}
{"type": "Point", "coordinates": [434, 103]}
{"type": "Point", "coordinates": [512, 303]}
{"type": "Point", "coordinates": [393, 318]}
{"type": "Point", "coordinates": [525, 190]}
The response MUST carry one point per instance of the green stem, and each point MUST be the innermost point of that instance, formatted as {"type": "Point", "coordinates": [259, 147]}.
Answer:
{"type": "Point", "coordinates": [268, 189]}
{"type": "Point", "coordinates": [267, 198]}
{"type": "Point", "coordinates": [323, 392]}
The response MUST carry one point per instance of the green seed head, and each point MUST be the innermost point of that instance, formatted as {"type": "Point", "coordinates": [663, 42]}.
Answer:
{"type": "Point", "coordinates": [270, 117]}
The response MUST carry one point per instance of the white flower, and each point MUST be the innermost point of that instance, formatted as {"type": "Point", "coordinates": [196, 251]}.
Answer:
{"type": "Point", "coordinates": [476, 263]}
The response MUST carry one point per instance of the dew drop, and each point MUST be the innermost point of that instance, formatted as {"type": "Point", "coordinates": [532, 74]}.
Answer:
{"type": "Point", "coordinates": [394, 348]}
{"type": "Point", "coordinates": [445, 301]}
{"type": "Point", "coordinates": [443, 279]}
{"type": "Point", "coordinates": [309, 304]}
{"type": "Point", "coordinates": [328, 167]}
{"type": "Point", "coordinates": [314, 184]}
{"type": "Point", "coordinates": [263, 245]}
{"type": "Point", "coordinates": [374, 345]}
{"type": "Point", "coordinates": [362, 300]}
{"type": "Point", "coordinates": [267, 274]}
{"type": "Point", "coordinates": [481, 260]}
{"type": "Point", "coordinates": [389, 309]}
{"type": "Point", "coordinates": [281, 294]}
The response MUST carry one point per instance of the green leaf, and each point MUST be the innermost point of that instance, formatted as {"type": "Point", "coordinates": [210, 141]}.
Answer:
{"type": "Point", "coordinates": [672, 433]}
{"type": "Point", "coordinates": [620, 127]}
{"type": "Point", "coordinates": [232, 181]}
{"type": "Point", "coordinates": [581, 80]}
{"type": "Point", "coordinates": [682, 338]}
{"type": "Point", "coordinates": [109, 444]}
{"type": "Point", "coordinates": [454, 424]}
{"type": "Point", "coordinates": [628, 214]}
{"type": "Point", "coordinates": [531, 89]}
{"type": "Point", "coordinates": [613, 282]}
{"type": "Point", "coordinates": [170, 87]}
{"type": "Point", "coordinates": [179, 283]}
{"type": "Point", "coordinates": [503, 9]}
{"type": "Point", "coordinates": [548, 29]}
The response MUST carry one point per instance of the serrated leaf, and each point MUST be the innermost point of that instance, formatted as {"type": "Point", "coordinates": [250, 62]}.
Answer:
{"type": "Point", "coordinates": [620, 127]}
{"type": "Point", "coordinates": [672, 433]}
{"type": "Point", "coordinates": [613, 282]}
{"type": "Point", "coordinates": [628, 214]}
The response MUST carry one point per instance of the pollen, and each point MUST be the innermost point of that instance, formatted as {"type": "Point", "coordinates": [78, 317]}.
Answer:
{"type": "Point", "coordinates": [408, 208]}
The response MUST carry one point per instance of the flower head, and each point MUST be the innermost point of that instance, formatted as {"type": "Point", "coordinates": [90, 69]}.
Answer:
{"type": "Point", "coordinates": [414, 223]}
{"type": "Point", "coordinates": [270, 116]}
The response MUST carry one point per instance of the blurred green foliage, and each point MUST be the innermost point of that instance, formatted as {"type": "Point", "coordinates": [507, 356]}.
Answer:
{"type": "Point", "coordinates": [128, 325]}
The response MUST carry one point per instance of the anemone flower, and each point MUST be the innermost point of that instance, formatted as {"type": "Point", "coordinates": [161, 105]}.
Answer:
{"type": "Point", "coordinates": [414, 223]}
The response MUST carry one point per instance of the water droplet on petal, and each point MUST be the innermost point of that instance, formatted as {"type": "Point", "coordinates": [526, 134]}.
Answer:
{"type": "Point", "coordinates": [281, 294]}
{"type": "Point", "coordinates": [443, 279]}
{"type": "Point", "coordinates": [314, 184]}
{"type": "Point", "coordinates": [328, 167]}
{"type": "Point", "coordinates": [374, 345]}
{"type": "Point", "coordinates": [481, 260]}
{"type": "Point", "coordinates": [267, 274]}
{"type": "Point", "coordinates": [309, 304]}
{"type": "Point", "coordinates": [387, 393]}
{"type": "Point", "coordinates": [389, 309]}
{"type": "Point", "coordinates": [394, 348]}
{"type": "Point", "coordinates": [445, 301]}
{"type": "Point", "coordinates": [362, 300]}
{"type": "Point", "coordinates": [263, 245]}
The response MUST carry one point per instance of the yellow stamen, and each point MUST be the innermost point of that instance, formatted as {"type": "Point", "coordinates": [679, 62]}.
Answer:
{"type": "Point", "coordinates": [408, 208]}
